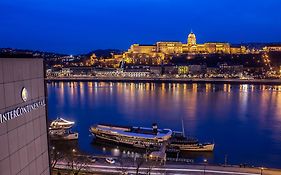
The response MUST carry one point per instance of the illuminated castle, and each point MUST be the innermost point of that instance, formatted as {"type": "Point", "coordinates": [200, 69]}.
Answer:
{"type": "Point", "coordinates": [190, 47]}
{"type": "Point", "coordinates": [160, 50]}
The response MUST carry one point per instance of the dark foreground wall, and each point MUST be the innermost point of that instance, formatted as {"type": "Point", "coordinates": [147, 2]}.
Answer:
{"type": "Point", "coordinates": [23, 129]}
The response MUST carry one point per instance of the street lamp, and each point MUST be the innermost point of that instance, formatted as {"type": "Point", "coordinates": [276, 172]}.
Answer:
{"type": "Point", "coordinates": [225, 160]}
{"type": "Point", "coordinates": [73, 150]}
{"type": "Point", "coordinates": [262, 168]}
{"type": "Point", "coordinates": [205, 163]}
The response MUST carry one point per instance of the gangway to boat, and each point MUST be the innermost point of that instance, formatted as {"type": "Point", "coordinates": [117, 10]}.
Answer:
{"type": "Point", "coordinates": [161, 154]}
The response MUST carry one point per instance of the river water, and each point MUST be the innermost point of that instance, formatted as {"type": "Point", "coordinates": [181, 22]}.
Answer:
{"type": "Point", "coordinates": [244, 121]}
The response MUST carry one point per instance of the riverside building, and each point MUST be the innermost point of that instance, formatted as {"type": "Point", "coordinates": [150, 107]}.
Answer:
{"type": "Point", "coordinates": [23, 122]}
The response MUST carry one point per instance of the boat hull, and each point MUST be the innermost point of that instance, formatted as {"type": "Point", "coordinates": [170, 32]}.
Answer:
{"type": "Point", "coordinates": [182, 148]}
{"type": "Point", "coordinates": [195, 147]}
{"type": "Point", "coordinates": [72, 136]}
{"type": "Point", "coordinates": [131, 143]}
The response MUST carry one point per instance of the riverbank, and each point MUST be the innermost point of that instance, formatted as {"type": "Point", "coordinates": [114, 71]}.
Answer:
{"type": "Point", "coordinates": [102, 168]}
{"type": "Point", "coordinates": [167, 80]}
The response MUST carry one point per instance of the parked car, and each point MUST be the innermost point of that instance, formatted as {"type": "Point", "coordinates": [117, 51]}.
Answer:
{"type": "Point", "coordinates": [92, 159]}
{"type": "Point", "coordinates": [110, 160]}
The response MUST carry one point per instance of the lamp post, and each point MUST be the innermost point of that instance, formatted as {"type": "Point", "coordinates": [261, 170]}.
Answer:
{"type": "Point", "coordinates": [72, 160]}
{"type": "Point", "coordinates": [205, 164]}
{"type": "Point", "coordinates": [145, 153]}
{"type": "Point", "coordinates": [262, 168]}
{"type": "Point", "coordinates": [177, 156]}
{"type": "Point", "coordinates": [225, 160]}
{"type": "Point", "coordinates": [73, 151]}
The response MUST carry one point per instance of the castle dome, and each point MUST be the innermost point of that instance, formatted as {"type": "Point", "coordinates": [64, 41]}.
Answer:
{"type": "Point", "coordinates": [191, 40]}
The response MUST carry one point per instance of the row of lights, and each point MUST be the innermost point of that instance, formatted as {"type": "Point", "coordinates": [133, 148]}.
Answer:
{"type": "Point", "coordinates": [204, 160]}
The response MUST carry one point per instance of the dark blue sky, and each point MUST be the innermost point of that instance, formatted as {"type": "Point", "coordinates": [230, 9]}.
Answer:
{"type": "Point", "coordinates": [78, 26]}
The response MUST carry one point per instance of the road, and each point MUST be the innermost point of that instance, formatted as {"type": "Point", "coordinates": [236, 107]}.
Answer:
{"type": "Point", "coordinates": [102, 168]}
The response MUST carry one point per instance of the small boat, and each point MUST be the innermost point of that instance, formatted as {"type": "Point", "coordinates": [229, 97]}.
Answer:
{"type": "Point", "coordinates": [61, 123]}
{"type": "Point", "coordinates": [182, 143]}
{"type": "Point", "coordinates": [179, 141]}
{"type": "Point", "coordinates": [60, 129]}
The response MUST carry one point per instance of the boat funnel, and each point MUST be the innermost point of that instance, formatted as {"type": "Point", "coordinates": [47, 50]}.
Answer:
{"type": "Point", "coordinates": [155, 128]}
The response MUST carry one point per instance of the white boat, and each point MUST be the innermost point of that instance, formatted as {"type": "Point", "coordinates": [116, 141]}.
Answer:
{"type": "Point", "coordinates": [61, 123]}
{"type": "Point", "coordinates": [60, 130]}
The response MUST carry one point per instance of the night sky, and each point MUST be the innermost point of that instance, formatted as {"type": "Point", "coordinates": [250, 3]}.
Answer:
{"type": "Point", "coordinates": [80, 26]}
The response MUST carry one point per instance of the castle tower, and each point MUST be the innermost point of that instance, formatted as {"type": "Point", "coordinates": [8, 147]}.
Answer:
{"type": "Point", "coordinates": [191, 40]}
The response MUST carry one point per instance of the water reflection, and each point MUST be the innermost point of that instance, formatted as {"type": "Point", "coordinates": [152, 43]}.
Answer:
{"type": "Point", "coordinates": [244, 120]}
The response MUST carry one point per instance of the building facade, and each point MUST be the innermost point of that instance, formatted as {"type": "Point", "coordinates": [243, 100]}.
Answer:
{"type": "Point", "coordinates": [272, 48]}
{"type": "Point", "coordinates": [160, 50]}
{"type": "Point", "coordinates": [169, 47]}
{"type": "Point", "coordinates": [23, 123]}
{"type": "Point", "coordinates": [136, 48]}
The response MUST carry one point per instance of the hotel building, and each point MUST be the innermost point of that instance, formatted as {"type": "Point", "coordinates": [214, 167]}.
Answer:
{"type": "Point", "coordinates": [23, 126]}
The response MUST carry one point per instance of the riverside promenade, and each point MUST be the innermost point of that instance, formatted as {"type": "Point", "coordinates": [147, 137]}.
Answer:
{"type": "Point", "coordinates": [167, 80]}
{"type": "Point", "coordinates": [166, 169]}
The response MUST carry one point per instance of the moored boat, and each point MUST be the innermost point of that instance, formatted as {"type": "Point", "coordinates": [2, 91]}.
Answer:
{"type": "Point", "coordinates": [179, 141]}
{"type": "Point", "coordinates": [140, 137]}
{"type": "Point", "coordinates": [60, 129]}
{"type": "Point", "coordinates": [61, 123]}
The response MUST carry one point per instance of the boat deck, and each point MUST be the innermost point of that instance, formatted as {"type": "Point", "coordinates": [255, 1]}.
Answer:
{"type": "Point", "coordinates": [141, 132]}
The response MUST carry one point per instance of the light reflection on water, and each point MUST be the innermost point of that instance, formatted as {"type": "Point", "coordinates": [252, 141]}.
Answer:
{"type": "Point", "coordinates": [243, 120]}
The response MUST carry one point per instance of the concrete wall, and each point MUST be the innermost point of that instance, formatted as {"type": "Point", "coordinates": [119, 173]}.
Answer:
{"type": "Point", "coordinates": [23, 140]}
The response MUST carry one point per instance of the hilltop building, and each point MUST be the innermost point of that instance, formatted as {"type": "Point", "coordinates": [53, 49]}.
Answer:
{"type": "Point", "coordinates": [155, 53]}
{"type": "Point", "coordinates": [190, 47]}
{"type": "Point", "coordinates": [272, 48]}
